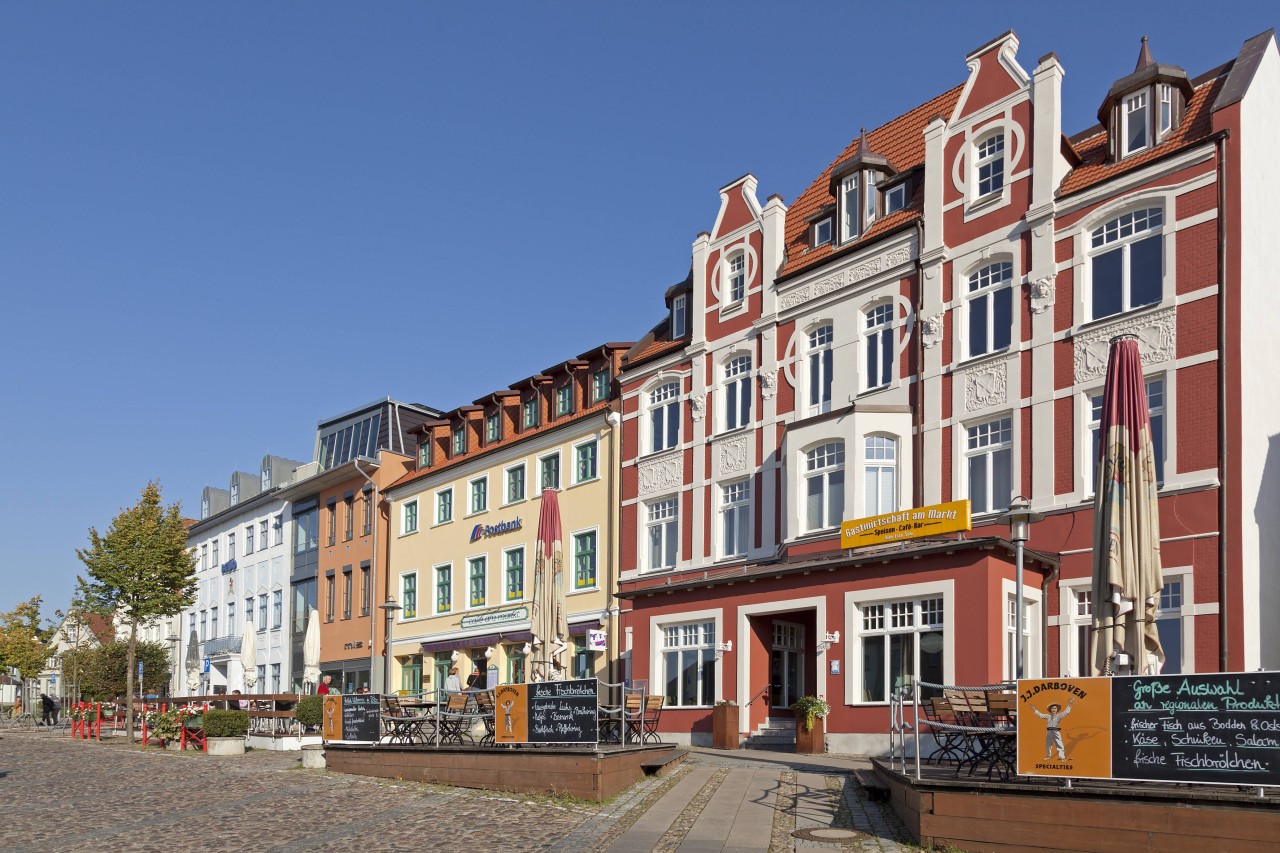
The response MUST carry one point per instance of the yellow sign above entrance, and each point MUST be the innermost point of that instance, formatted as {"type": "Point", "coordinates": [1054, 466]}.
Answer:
{"type": "Point", "coordinates": [908, 524]}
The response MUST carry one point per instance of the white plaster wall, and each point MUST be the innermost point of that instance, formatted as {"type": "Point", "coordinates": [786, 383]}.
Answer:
{"type": "Point", "coordinates": [1259, 143]}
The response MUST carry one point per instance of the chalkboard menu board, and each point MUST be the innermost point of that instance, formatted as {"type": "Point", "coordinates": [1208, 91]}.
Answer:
{"type": "Point", "coordinates": [361, 717]}
{"type": "Point", "coordinates": [1218, 728]}
{"type": "Point", "coordinates": [547, 712]}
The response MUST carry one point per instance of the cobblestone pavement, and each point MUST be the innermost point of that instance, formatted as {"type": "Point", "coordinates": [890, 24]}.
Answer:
{"type": "Point", "coordinates": [59, 794]}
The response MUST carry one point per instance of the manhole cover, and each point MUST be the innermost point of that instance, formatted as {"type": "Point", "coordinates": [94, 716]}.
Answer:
{"type": "Point", "coordinates": [829, 834]}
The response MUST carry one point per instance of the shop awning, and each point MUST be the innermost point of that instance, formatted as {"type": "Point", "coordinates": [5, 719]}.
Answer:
{"type": "Point", "coordinates": [581, 629]}
{"type": "Point", "coordinates": [476, 641]}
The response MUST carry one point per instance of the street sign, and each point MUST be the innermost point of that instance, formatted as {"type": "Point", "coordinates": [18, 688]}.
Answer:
{"type": "Point", "coordinates": [139, 670]}
{"type": "Point", "coordinates": [207, 665]}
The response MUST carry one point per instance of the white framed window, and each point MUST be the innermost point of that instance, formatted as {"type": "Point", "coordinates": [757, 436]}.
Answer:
{"type": "Point", "coordinates": [1156, 407]}
{"type": "Point", "coordinates": [585, 560]}
{"type": "Point", "coordinates": [664, 417]}
{"type": "Point", "coordinates": [515, 483]}
{"type": "Point", "coordinates": [477, 577]}
{"type": "Point", "coordinates": [586, 461]}
{"type": "Point", "coordinates": [880, 475]}
{"type": "Point", "coordinates": [479, 489]}
{"type": "Point", "coordinates": [895, 198]}
{"type": "Point", "coordinates": [1136, 129]}
{"type": "Point", "coordinates": [262, 612]}
{"type": "Point", "coordinates": [737, 392]}
{"type": "Point", "coordinates": [216, 561]}
{"type": "Point", "coordinates": [736, 290]}
{"type": "Point", "coordinates": [549, 471]}
{"type": "Point", "coordinates": [248, 539]}
{"type": "Point", "coordinates": [231, 546]}
{"type": "Point", "coordinates": [822, 231]}
{"type": "Point", "coordinates": [1126, 263]}
{"type": "Point", "coordinates": [689, 664]}
{"type": "Point", "coordinates": [901, 642]}
{"type": "Point", "coordinates": [1166, 108]}
{"type": "Point", "coordinates": [849, 209]}
{"type": "Point", "coordinates": [869, 196]}
{"type": "Point", "coordinates": [989, 464]}
{"type": "Point", "coordinates": [266, 479]}
{"type": "Point", "coordinates": [824, 486]}
{"type": "Point", "coordinates": [444, 506]}
{"type": "Point", "coordinates": [213, 623]}
{"type": "Point", "coordinates": [204, 556]}
{"type": "Point", "coordinates": [409, 595]}
{"type": "Point", "coordinates": [513, 569]}
{"type": "Point", "coordinates": [235, 492]}
{"type": "Point", "coordinates": [1010, 637]}
{"type": "Point", "coordinates": [262, 534]}
{"type": "Point", "coordinates": [679, 316]}
{"type": "Point", "coordinates": [277, 608]}
{"type": "Point", "coordinates": [989, 303]}
{"type": "Point", "coordinates": [663, 533]}
{"type": "Point", "coordinates": [444, 587]}
{"type": "Point", "coordinates": [231, 619]}
{"type": "Point", "coordinates": [1081, 621]}
{"type": "Point", "coordinates": [1171, 613]}
{"type": "Point", "coordinates": [821, 362]}
{"type": "Point", "coordinates": [879, 346]}
{"type": "Point", "coordinates": [409, 519]}
{"type": "Point", "coordinates": [988, 164]}
{"type": "Point", "coordinates": [735, 518]}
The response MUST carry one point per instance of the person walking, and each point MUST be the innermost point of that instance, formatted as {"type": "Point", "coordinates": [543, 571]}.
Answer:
{"type": "Point", "coordinates": [49, 710]}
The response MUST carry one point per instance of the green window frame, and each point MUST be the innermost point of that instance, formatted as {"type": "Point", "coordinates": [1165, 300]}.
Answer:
{"type": "Point", "coordinates": [444, 589]}
{"type": "Point", "coordinates": [424, 454]}
{"type": "Point", "coordinates": [477, 568]}
{"type": "Point", "coordinates": [515, 574]}
{"type": "Point", "coordinates": [408, 596]}
{"type": "Point", "coordinates": [444, 506]}
{"type": "Point", "coordinates": [515, 665]}
{"type": "Point", "coordinates": [586, 462]}
{"type": "Point", "coordinates": [584, 560]}
{"type": "Point", "coordinates": [600, 385]}
{"type": "Point", "coordinates": [515, 484]}
{"type": "Point", "coordinates": [549, 471]}
{"type": "Point", "coordinates": [479, 495]}
{"type": "Point", "coordinates": [493, 428]}
{"type": "Point", "coordinates": [564, 399]}
{"type": "Point", "coordinates": [411, 676]}
{"type": "Point", "coordinates": [531, 413]}
{"type": "Point", "coordinates": [459, 441]}
{"type": "Point", "coordinates": [411, 517]}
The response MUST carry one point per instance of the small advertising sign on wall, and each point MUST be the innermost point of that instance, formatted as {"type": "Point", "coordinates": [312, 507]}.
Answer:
{"type": "Point", "coordinates": [596, 640]}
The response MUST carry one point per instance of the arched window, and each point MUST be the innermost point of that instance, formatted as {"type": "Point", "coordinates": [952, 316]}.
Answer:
{"type": "Point", "coordinates": [1127, 263]}
{"type": "Point", "coordinates": [737, 392]}
{"type": "Point", "coordinates": [990, 306]}
{"type": "Point", "coordinates": [988, 164]}
{"type": "Point", "coordinates": [880, 475]}
{"type": "Point", "coordinates": [664, 417]}
{"type": "Point", "coordinates": [824, 486]}
{"type": "Point", "coordinates": [821, 362]}
{"type": "Point", "coordinates": [879, 345]}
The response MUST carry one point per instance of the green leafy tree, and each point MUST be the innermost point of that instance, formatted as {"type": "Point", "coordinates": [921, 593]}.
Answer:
{"type": "Point", "coordinates": [104, 670]}
{"type": "Point", "coordinates": [139, 571]}
{"type": "Point", "coordinates": [22, 640]}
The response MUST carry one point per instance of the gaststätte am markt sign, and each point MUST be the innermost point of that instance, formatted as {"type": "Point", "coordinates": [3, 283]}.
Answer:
{"type": "Point", "coordinates": [908, 524]}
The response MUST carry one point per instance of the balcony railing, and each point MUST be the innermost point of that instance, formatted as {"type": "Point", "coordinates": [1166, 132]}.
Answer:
{"type": "Point", "coordinates": [222, 646]}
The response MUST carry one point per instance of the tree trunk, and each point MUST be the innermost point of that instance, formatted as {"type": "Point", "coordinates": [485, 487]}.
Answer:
{"type": "Point", "coordinates": [131, 658]}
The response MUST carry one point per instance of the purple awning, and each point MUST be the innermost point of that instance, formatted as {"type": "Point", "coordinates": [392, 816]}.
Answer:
{"type": "Point", "coordinates": [581, 629]}
{"type": "Point", "coordinates": [476, 641]}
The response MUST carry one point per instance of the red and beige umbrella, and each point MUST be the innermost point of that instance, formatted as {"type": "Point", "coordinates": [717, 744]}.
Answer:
{"type": "Point", "coordinates": [550, 623]}
{"type": "Point", "coordinates": [1126, 528]}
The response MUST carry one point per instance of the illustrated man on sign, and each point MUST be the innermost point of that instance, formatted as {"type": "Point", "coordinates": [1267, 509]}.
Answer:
{"type": "Point", "coordinates": [1053, 728]}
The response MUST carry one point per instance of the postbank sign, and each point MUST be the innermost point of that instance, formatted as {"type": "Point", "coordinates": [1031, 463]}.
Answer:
{"type": "Point", "coordinates": [909, 524]}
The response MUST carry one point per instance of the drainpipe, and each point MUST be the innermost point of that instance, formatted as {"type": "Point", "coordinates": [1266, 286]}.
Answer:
{"type": "Point", "coordinates": [373, 572]}
{"type": "Point", "coordinates": [918, 416]}
{"type": "Point", "coordinates": [1222, 401]}
{"type": "Point", "coordinates": [614, 420]}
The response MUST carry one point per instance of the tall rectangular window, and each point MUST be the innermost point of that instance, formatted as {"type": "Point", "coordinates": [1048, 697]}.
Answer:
{"type": "Point", "coordinates": [231, 619]}
{"type": "Point", "coordinates": [493, 428]}
{"type": "Point", "coordinates": [204, 556]}
{"type": "Point", "coordinates": [585, 461]}
{"type": "Point", "coordinates": [279, 525]}
{"type": "Point", "coordinates": [275, 678]}
{"type": "Point", "coordinates": [346, 592]}
{"type": "Point", "coordinates": [663, 535]}
{"type": "Point", "coordinates": [248, 613]}
{"type": "Point", "coordinates": [368, 514]}
{"type": "Point", "coordinates": [277, 608]}
{"type": "Point", "coordinates": [1136, 123]}
{"type": "Point", "coordinates": [350, 508]}
{"type": "Point", "coordinates": [880, 475]}
{"type": "Point", "coordinates": [262, 532]}
{"type": "Point", "coordinates": [664, 417]}
{"type": "Point", "coordinates": [584, 560]}
{"type": "Point", "coordinates": [990, 307]}
{"type": "Point", "coordinates": [549, 470]}
{"type": "Point", "coordinates": [564, 399]}
{"type": "Point", "coordinates": [216, 561]}
{"type": "Point", "coordinates": [735, 518]}
{"type": "Point", "coordinates": [531, 413]}
{"type": "Point", "coordinates": [213, 623]}
{"type": "Point", "coordinates": [424, 453]}
{"type": "Point", "coordinates": [248, 539]}
{"type": "Point", "coordinates": [1126, 266]}
{"type": "Point", "coordinates": [600, 386]}
{"type": "Point", "coordinates": [459, 440]}
{"type": "Point", "coordinates": [331, 515]}
{"type": "Point", "coordinates": [515, 574]}
{"type": "Point", "coordinates": [366, 591]}
{"type": "Point", "coordinates": [737, 278]}
{"type": "Point", "coordinates": [737, 392]}
{"type": "Point", "coordinates": [408, 596]}
{"type": "Point", "coordinates": [689, 664]}
{"type": "Point", "coordinates": [849, 209]}
{"type": "Point", "coordinates": [476, 571]}
{"type": "Point", "coordinates": [679, 316]}
{"type": "Point", "coordinates": [515, 484]}
{"type": "Point", "coordinates": [444, 506]}
{"type": "Point", "coordinates": [879, 346]}
{"type": "Point", "coordinates": [989, 164]}
{"type": "Point", "coordinates": [410, 524]}
{"type": "Point", "coordinates": [331, 596]}
{"type": "Point", "coordinates": [989, 459]}
{"type": "Point", "coordinates": [264, 686]}
{"type": "Point", "coordinates": [479, 495]}
{"type": "Point", "coordinates": [824, 486]}
{"type": "Point", "coordinates": [901, 642]}
{"type": "Point", "coordinates": [821, 364]}
{"type": "Point", "coordinates": [262, 612]}
{"type": "Point", "coordinates": [444, 589]}
{"type": "Point", "coordinates": [1156, 408]}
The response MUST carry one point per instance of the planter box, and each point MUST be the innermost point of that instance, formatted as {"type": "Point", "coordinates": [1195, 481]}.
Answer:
{"type": "Point", "coordinates": [313, 757]}
{"type": "Point", "coordinates": [226, 746]}
{"type": "Point", "coordinates": [724, 727]}
{"type": "Point", "coordinates": [813, 742]}
{"type": "Point", "coordinates": [175, 745]}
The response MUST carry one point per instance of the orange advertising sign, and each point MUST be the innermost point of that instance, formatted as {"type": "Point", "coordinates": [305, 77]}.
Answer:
{"type": "Point", "coordinates": [1064, 727]}
{"type": "Point", "coordinates": [331, 719]}
{"type": "Point", "coordinates": [909, 524]}
{"type": "Point", "coordinates": [511, 713]}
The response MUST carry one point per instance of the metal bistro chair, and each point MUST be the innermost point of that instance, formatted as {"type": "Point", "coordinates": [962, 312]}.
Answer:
{"type": "Point", "coordinates": [486, 706]}
{"type": "Point", "coordinates": [950, 743]}
{"type": "Point", "coordinates": [454, 721]}
{"type": "Point", "coordinates": [652, 713]}
{"type": "Point", "coordinates": [633, 716]}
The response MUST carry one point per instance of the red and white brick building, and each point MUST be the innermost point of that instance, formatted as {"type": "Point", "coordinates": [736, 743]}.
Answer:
{"type": "Point", "coordinates": [929, 321]}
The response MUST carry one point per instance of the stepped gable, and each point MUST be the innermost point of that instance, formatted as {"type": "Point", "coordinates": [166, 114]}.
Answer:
{"type": "Point", "coordinates": [901, 142]}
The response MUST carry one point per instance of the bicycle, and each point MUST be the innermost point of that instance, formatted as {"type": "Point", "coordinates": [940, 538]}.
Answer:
{"type": "Point", "coordinates": [25, 721]}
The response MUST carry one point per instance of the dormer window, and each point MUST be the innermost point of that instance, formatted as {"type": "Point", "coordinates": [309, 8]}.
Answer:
{"type": "Point", "coordinates": [531, 413]}
{"type": "Point", "coordinates": [266, 479]}
{"type": "Point", "coordinates": [849, 222]}
{"type": "Point", "coordinates": [853, 181]}
{"type": "Point", "coordinates": [679, 316]}
{"type": "Point", "coordinates": [204, 507]}
{"type": "Point", "coordinates": [459, 440]}
{"type": "Point", "coordinates": [989, 164]}
{"type": "Point", "coordinates": [235, 492]}
{"type": "Point", "coordinates": [822, 232]}
{"type": "Point", "coordinates": [493, 428]}
{"type": "Point", "coordinates": [1144, 108]}
{"type": "Point", "coordinates": [1135, 123]}
{"type": "Point", "coordinates": [1166, 108]}
{"type": "Point", "coordinates": [424, 453]}
{"type": "Point", "coordinates": [895, 198]}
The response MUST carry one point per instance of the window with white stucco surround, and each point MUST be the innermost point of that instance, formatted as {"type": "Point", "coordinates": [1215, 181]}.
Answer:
{"type": "Point", "coordinates": [822, 489]}
{"type": "Point", "coordinates": [820, 365]}
{"type": "Point", "coordinates": [1126, 263]}
{"type": "Point", "coordinates": [662, 537]}
{"type": "Point", "coordinates": [902, 634]}
{"type": "Point", "coordinates": [736, 392]}
{"type": "Point", "coordinates": [989, 306]}
{"type": "Point", "coordinates": [663, 417]}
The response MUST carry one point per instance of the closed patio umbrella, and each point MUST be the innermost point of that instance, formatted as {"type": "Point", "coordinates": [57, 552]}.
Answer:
{"type": "Point", "coordinates": [193, 662]}
{"type": "Point", "coordinates": [1126, 531]}
{"type": "Point", "coordinates": [249, 658]}
{"type": "Point", "coordinates": [550, 623]}
{"type": "Point", "coordinates": [311, 649]}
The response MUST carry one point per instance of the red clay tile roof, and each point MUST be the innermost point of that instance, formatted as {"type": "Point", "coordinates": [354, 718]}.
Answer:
{"type": "Point", "coordinates": [1196, 127]}
{"type": "Point", "coordinates": [652, 349]}
{"type": "Point", "coordinates": [902, 141]}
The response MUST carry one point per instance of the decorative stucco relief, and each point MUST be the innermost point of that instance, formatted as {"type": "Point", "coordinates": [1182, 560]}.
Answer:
{"type": "Point", "coordinates": [1042, 294]}
{"type": "Point", "coordinates": [864, 270]}
{"type": "Point", "coordinates": [698, 403]}
{"type": "Point", "coordinates": [1157, 343]}
{"type": "Point", "coordinates": [985, 385]}
{"type": "Point", "coordinates": [733, 454]}
{"type": "Point", "coordinates": [661, 475]}
{"type": "Point", "coordinates": [931, 330]}
{"type": "Point", "coordinates": [768, 384]}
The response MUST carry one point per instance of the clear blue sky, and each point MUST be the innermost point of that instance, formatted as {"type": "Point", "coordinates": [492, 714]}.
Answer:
{"type": "Point", "coordinates": [222, 222]}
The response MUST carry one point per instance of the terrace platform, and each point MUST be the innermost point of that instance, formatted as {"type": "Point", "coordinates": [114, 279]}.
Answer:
{"type": "Point", "coordinates": [593, 773]}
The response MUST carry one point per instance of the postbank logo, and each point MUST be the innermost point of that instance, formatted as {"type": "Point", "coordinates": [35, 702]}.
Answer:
{"type": "Point", "coordinates": [480, 531]}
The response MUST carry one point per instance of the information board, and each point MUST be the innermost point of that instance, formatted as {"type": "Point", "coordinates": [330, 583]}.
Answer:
{"type": "Point", "coordinates": [1215, 728]}
{"type": "Point", "coordinates": [548, 712]}
{"type": "Point", "coordinates": [1221, 729]}
{"type": "Point", "coordinates": [362, 717]}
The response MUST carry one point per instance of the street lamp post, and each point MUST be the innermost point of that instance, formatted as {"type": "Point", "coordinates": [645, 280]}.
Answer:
{"type": "Point", "coordinates": [389, 607]}
{"type": "Point", "coordinates": [1019, 517]}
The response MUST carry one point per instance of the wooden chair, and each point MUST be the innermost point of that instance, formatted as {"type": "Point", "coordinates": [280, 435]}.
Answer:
{"type": "Point", "coordinates": [453, 719]}
{"type": "Point", "coordinates": [652, 713]}
{"type": "Point", "coordinates": [633, 716]}
{"type": "Point", "coordinates": [950, 743]}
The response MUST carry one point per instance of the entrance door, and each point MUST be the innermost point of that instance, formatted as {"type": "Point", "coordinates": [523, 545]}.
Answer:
{"type": "Point", "coordinates": [786, 665]}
